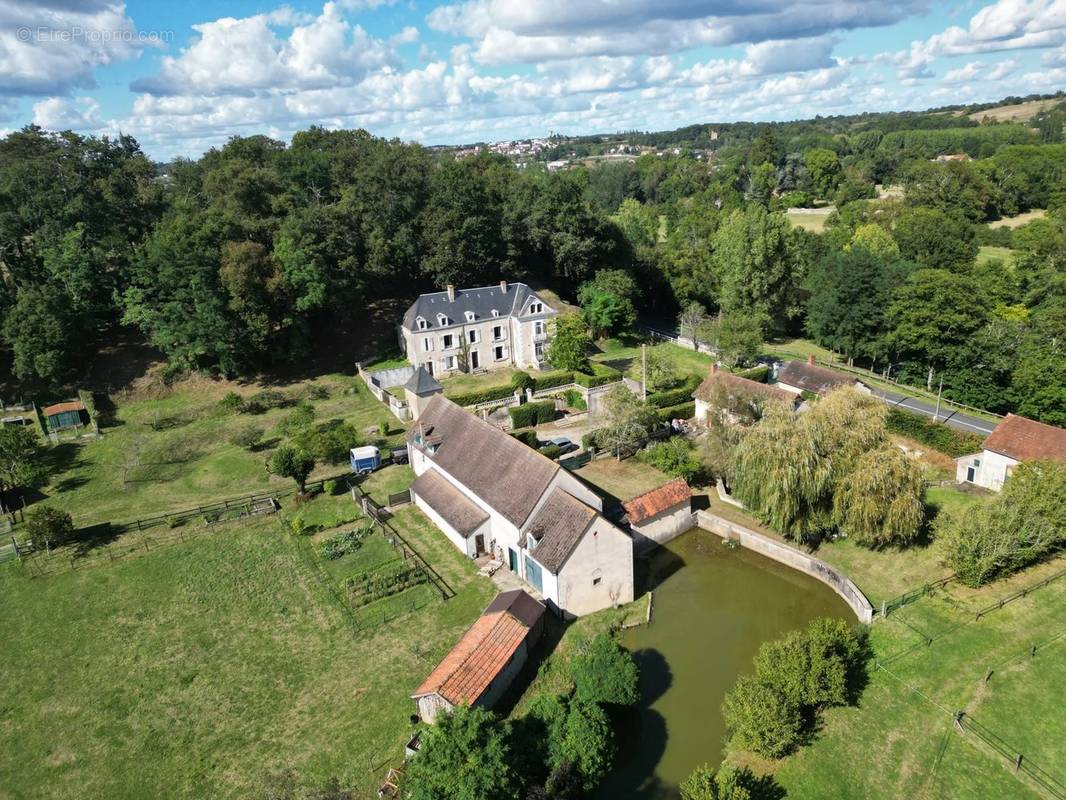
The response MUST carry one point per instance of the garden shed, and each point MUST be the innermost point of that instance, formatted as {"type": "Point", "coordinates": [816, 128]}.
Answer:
{"type": "Point", "coordinates": [62, 416]}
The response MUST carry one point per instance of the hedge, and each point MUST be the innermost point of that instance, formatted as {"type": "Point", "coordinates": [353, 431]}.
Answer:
{"type": "Point", "coordinates": [484, 396]}
{"type": "Point", "coordinates": [758, 374]}
{"type": "Point", "coordinates": [526, 437]}
{"type": "Point", "coordinates": [601, 374]}
{"type": "Point", "coordinates": [680, 411]}
{"type": "Point", "coordinates": [673, 397]}
{"type": "Point", "coordinates": [529, 414]}
{"type": "Point", "coordinates": [552, 379]}
{"type": "Point", "coordinates": [592, 439]}
{"type": "Point", "coordinates": [933, 434]}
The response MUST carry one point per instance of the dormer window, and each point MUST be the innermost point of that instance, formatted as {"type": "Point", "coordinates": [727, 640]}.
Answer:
{"type": "Point", "coordinates": [495, 312]}
{"type": "Point", "coordinates": [442, 320]}
{"type": "Point", "coordinates": [469, 316]}
{"type": "Point", "coordinates": [536, 308]}
{"type": "Point", "coordinates": [531, 543]}
{"type": "Point", "coordinates": [421, 323]}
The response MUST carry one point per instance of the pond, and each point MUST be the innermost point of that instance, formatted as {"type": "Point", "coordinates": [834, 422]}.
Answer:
{"type": "Point", "coordinates": [713, 607]}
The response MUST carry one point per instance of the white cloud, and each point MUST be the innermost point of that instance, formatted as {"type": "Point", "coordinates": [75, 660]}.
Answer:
{"type": "Point", "coordinates": [408, 35]}
{"type": "Point", "coordinates": [52, 48]}
{"type": "Point", "coordinates": [59, 113]}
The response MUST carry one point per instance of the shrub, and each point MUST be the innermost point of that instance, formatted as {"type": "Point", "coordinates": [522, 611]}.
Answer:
{"type": "Point", "coordinates": [552, 451]}
{"type": "Point", "coordinates": [527, 437]}
{"type": "Point", "coordinates": [932, 434]}
{"type": "Point", "coordinates": [529, 414]}
{"type": "Point", "coordinates": [575, 399]}
{"type": "Point", "coordinates": [483, 396]}
{"type": "Point", "coordinates": [600, 374]}
{"type": "Point", "coordinates": [758, 374]}
{"type": "Point", "coordinates": [604, 672]}
{"type": "Point", "coordinates": [383, 428]}
{"type": "Point", "coordinates": [48, 527]}
{"type": "Point", "coordinates": [521, 381]}
{"type": "Point", "coordinates": [247, 437]}
{"type": "Point", "coordinates": [673, 397]}
{"type": "Point", "coordinates": [676, 457]}
{"type": "Point", "coordinates": [342, 544]}
{"type": "Point", "coordinates": [297, 419]}
{"type": "Point", "coordinates": [550, 380]}
{"type": "Point", "coordinates": [297, 525]}
{"type": "Point", "coordinates": [264, 401]}
{"type": "Point", "coordinates": [682, 411]}
{"type": "Point", "coordinates": [329, 487]}
{"type": "Point", "coordinates": [231, 402]}
{"type": "Point", "coordinates": [316, 391]}
{"type": "Point", "coordinates": [593, 439]}
{"type": "Point", "coordinates": [728, 783]}
{"type": "Point", "coordinates": [761, 719]}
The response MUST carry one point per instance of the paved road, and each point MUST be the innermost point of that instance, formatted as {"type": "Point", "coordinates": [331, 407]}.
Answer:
{"type": "Point", "coordinates": [926, 408]}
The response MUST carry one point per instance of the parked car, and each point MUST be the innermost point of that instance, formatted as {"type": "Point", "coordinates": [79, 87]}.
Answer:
{"type": "Point", "coordinates": [565, 445]}
{"type": "Point", "coordinates": [365, 460]}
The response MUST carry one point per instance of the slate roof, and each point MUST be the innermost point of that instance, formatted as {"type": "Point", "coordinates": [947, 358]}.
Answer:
{"type": "Point", "coordinates": [558, 527]}
{"type": "Point", "coordinates": [482, 301]}
{"type": "Point", "coordinates": [812, 378]}
{"type": "Point", "coordinates": [421, 382]}
{"type": "Point", "coordinates": [506, 474]}
{"type": "Point", "coordinates": [703, 391]}
{"type": "Point", "coordinates": [59, 408]}
{"type": "Point", "coordinates": [519, 604]}
{"type": "Point", "coordinates": [482, 653]}
{"type": "Point", "coordinates": [660, 499]}
{"type": "Point", "coordinates": [1027, 440]}
{"type": "Point", "coordinates": [457, 510]}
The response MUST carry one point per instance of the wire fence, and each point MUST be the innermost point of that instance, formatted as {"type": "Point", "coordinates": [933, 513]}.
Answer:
{"type": "Point", "coordinates": [1020, 762]}
{"type": "Point", "coordinates": [905, 599]}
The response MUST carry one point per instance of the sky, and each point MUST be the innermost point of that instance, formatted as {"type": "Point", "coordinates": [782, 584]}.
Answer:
{"type": "Point", "coordinates": [183, 76]}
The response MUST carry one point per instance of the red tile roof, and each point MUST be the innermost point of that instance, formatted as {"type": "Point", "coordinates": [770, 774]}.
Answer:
{"type": "Point", "coordinates": [658, 500]}
{"type": "Point", "coordinates": [59, 408]}
{"type": "Point", "coordinates": [483, 652]}
{"type": "Point", "coordinates": [1027, 440]}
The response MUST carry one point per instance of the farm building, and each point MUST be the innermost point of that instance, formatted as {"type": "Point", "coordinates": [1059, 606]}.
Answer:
{"type": "Point", "coordinates": [63, 416]}
{"type": "Point", "coordinates": [718, 396]}
{"type": "Point", "coordinates": [482, 665]}
{"type": "Point", "coordinates": [660, 515]}
{"type": "Point", "coordinates": [1015, 439]}
{"type": "Point", "coordinates": [799, 377]}
{"type": "Point", "coordinates": [491, 495]}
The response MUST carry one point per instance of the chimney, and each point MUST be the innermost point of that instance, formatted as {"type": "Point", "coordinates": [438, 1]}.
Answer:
{"type": "Point", "coordinates": [810, 360]}
{"type": "Point", "coordinates": [503, 287]}
{"type": "Point", "coordinates": [451, 293]}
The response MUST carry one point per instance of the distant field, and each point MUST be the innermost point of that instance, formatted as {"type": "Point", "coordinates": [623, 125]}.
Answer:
{"type": "Point", "coordinates": [1019, 112]}
{"type": "Point", "coordinates": [1019, 220]}
{"type": "Point", "coordinates": [811, 219]}
{"type": "Point", "coordinates": [991, 253]}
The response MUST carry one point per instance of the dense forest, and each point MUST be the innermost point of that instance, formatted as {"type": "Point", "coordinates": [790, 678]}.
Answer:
{"type": "Point", "coordinates": [240, 260]}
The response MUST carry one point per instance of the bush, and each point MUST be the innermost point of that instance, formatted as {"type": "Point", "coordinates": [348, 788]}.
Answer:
{"type": "Point", "coordinates": [682, 411]}
{"type": "Point", "coordinates": [1000, 236]}
{"type": "Point", "coordinates": [575, 399]}
{"type": "Point", "coordinates": [527, 437]}
{"type": "Point", "coordinates": [675, 457]}
{"type": "Point", "coordinates": [383, 428]}
{"type": "Point", "coordinates": [297, 419]}
{"type": "Point", "coordinates": [484, 396]}
{"type": "Point", "coordinates": [48, 527]}
{"type": "Point", "coordinates": [231, 402]}
{"type": "Point", "coordinates": [521, 381]}
{"type": "Point", "coordinates": [758, 374]}
{"type": "Point", "coordinates": [593, 439]}
{"type": "Point", "coordinates": [264, 401]}
{"type": "Point", "coordinates": [604, 672]}
{"type": "Point", "coordinates": [552, 451]}
{"type": "Point", "coordinates": [550, 380]}
{"type": "Point", "coordinates": [673, 397]}
{"type": "Point", "coordinates": [529, 414]}
{"type": "Point", "coordinates": [933, 434]}
{"type": "Point", "coordinates": [247, 437]}
{"type": "Point", "coordinates": [761, 719]}
{"type": "Point", "coordinates": [329, 487]}
{"type": "Point", "coordinates": [601, 374]}
{"type": "Point", "coordinates": [316, 391]}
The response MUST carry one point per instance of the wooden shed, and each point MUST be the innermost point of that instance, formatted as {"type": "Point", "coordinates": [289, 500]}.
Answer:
{"type": "Point", "coordinates": [62, 416]}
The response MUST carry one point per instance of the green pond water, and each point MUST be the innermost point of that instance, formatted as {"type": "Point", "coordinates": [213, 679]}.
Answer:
{"type": "Point", "coordinates": [713, 607]}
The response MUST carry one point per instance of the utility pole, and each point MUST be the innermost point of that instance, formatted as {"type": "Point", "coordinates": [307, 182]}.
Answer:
{"type": "Point", "coordinates": [644, 372]}
{"type": "Point", "coordinates": [936, 416]}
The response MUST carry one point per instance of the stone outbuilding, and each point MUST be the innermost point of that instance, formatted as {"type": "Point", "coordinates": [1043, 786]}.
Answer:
{"type": "Point", "coordinates": [799, 377]}
{"type": "Point", "coordinates": [1015, 439]}
{"type": "Point", "coordinates": [420, 388]}
{"type": "Point", "coordinates": [660, 515]}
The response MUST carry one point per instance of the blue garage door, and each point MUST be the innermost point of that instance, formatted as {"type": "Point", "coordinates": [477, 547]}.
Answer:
{"type": "Point", "coordinates": [533, 574]}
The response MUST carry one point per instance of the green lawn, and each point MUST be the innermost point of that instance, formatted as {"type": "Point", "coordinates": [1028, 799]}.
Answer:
{"type": "Point", "coordinates": [173, 453]}
{"type": "Point", "coordinates": [461, 383]}
{"type": "Point", "coordinates": [900, 741]}
{"type": "Point", "coordinates": [809, 219]}
{"type": "Point", "coordinates": [194, 670]}
{"type": "Point", "coordinates": [621, 479]}
{"type": "Point", "coordinates": [621, 354]}
{"type": "Point", "coordinates": [991, 253]}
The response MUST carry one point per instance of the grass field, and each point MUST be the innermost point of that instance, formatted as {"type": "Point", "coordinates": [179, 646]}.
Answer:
{"type": "Point", "coordinates": [811, 219]}
{"type": "Point", "coordinates": [621, 479]}
{"type": "Point", "coordinates": [1015, 112]}
{"type": "Point", "coordinates": [988, 253]}
{"type": "Point", "coordinates": [195, 670]}
{"type": "Point", "coordinates": [1019, 220]}
{"type": "Point", "coordinates": [621, 355]}
{"type": "Point", "coordinates": [172, 452]}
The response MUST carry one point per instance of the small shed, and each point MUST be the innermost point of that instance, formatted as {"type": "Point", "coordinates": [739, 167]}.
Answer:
{"type": "Point", "coordinates": [660, 515]}
{"type": "Point", "coordinates": [63, 416]}
{"type": "Point", "coordinates": [491, 653]}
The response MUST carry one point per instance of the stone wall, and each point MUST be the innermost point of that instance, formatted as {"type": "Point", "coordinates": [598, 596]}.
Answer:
{"type": "Point", "coordinates": [791, 557]}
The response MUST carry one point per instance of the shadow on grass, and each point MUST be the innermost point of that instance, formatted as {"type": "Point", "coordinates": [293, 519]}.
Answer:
{"type": "Point", "coordinates": [88, 539]}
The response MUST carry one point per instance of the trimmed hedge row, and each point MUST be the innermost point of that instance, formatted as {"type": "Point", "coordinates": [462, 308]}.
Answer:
{"type": "Point", "coordinates": [673, 397]}
{"type": "Point", "coordinates": [933, 434]}
{"type": "Point", "coordinates": [758, 374]}
{"type": "Point", "coordinates": [680, 411]}
{"type": "Point", "coordinates": [484, 396]}
{"type": "Point", "coordinates": [529, 414]}
{"type": "Point", "coordinates": [527, 437]}
{"type": "Point", "coordinates": [552, 379]}
{"type": "Point", "coordinates": [601, 374]}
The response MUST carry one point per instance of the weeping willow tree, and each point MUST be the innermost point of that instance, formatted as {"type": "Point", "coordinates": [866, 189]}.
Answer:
{"type": "Point", "coordinates": [879, 502]}
{"type": "Point", "coordinates": [788, 466]}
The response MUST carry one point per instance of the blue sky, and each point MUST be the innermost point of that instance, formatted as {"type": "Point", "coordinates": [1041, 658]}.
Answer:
{"type": "Point", "coordinates": [184, 76]}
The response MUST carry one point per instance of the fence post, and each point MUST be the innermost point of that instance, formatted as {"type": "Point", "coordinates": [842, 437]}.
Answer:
{"type": "Point", "coordinates": [145, 540]}
{"type": "Point", "coordinates": [988, 675]}
{"type": "Point", "coordinates": [1018, 763]}
{"type": "Point", "coordinates": [884, 609]}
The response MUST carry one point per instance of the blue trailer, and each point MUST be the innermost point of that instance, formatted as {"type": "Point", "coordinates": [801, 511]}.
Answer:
{"type": "Point", "coordinates": [365, 459]}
